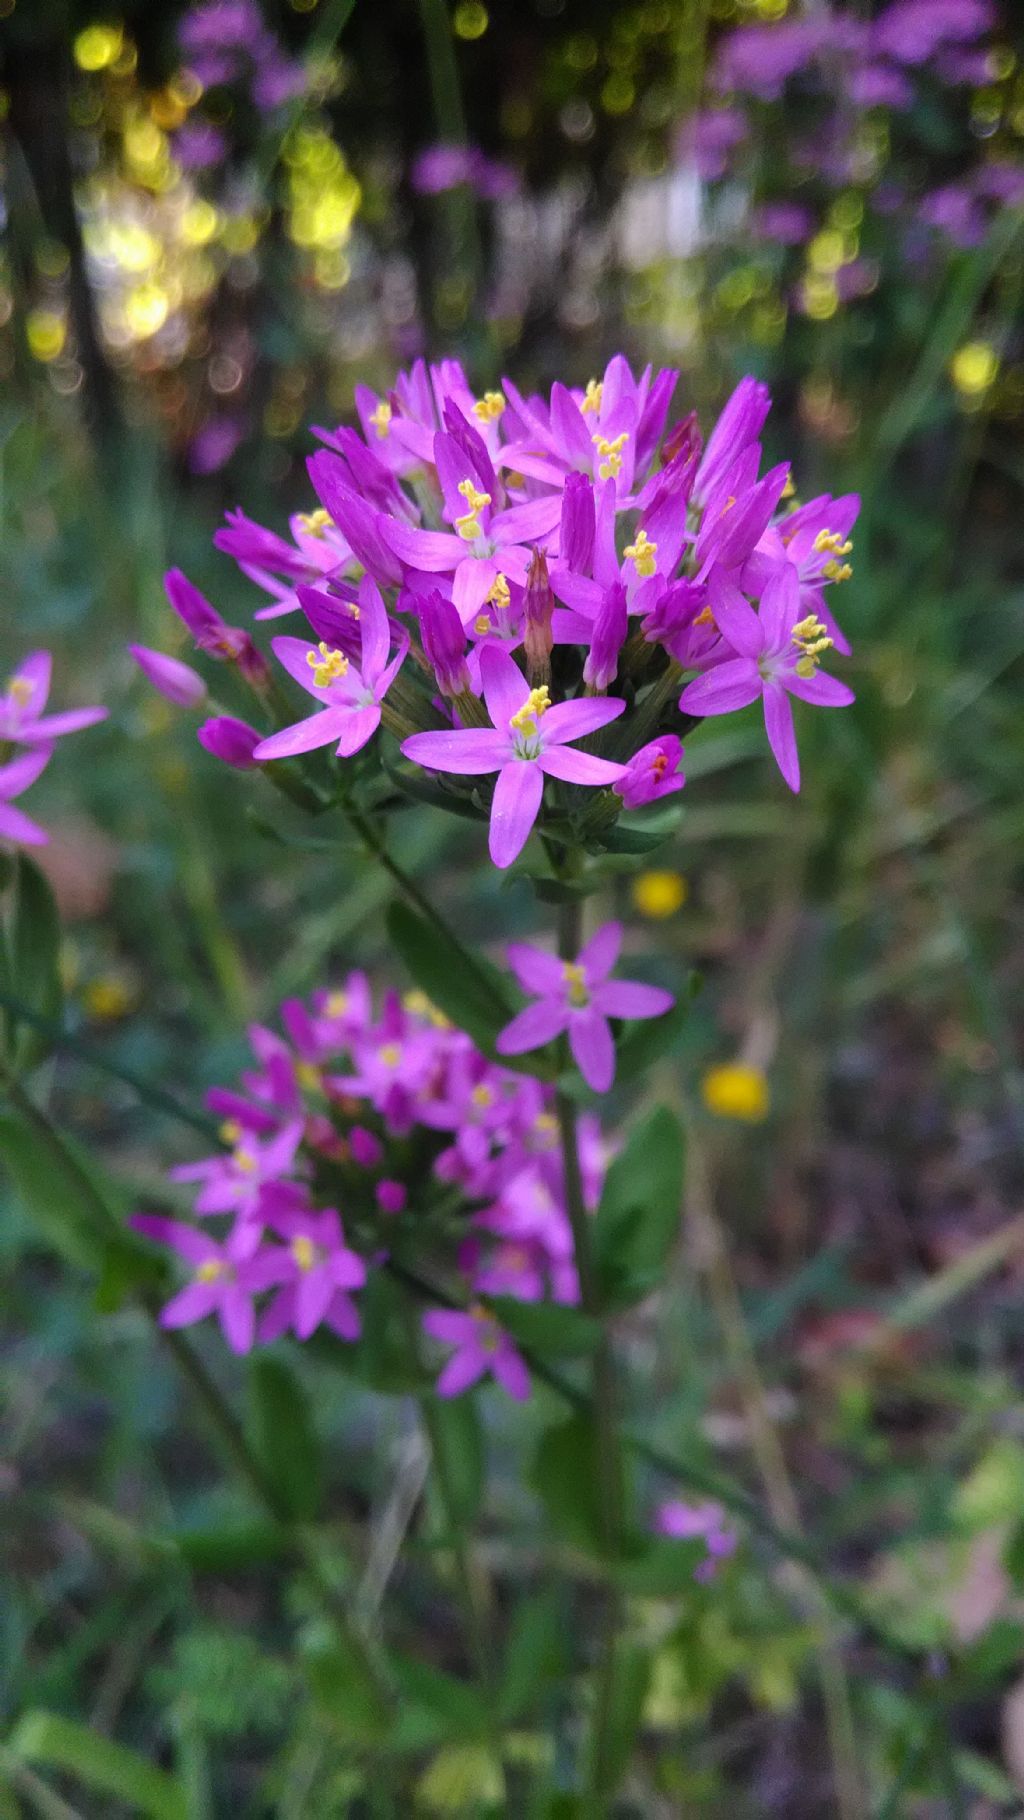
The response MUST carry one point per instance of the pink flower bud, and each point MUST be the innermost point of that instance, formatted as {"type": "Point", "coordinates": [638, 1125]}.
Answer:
{"type": "Point", "coordinates": [177, 681]}
{"type": "Point", "coordinates": [539, 604]}
{"type": "Point", "coordinates": [232, 741]}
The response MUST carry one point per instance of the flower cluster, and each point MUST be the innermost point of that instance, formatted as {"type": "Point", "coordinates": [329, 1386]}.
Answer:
{"type": "Point", "coordinates": [530, 589]}
{"type": "Point", "coordinates": [24, 725]}
{"type": "Point", "coordinates": [366, 1136]}
{"type": "Point", "coordinates": [226, 43]}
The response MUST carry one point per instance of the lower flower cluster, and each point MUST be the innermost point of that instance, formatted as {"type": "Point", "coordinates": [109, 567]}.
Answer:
{"type": "Point", "coordinates": [363, 1139]}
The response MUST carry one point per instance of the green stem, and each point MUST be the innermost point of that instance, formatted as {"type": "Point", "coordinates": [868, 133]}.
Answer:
{"type": "Point", "coordinates": [600, 1782]}
{"type": "Point", "coordinates": [465, 1569]}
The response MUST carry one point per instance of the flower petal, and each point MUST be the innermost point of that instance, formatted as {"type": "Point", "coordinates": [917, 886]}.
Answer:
{"type": "Point", "coordinates": [778, 720]}
{"type": "Point", "coordinates": [360, 725]}
{"type": "Point", "coordinates": [824, 691]}
{"type": "Point", "coordinates": [600, 954]}
{"type": "Point", "coordinates": [593, 1050]}
{"type": "Point", "coordinates": [305, 736]}
{"type": "Point", "coordinates": [534, 968]}
{"type": "Point", "coordinates": [630, 998]}
{"type": "Point", "coordinates": [375, 633]}
{"type": "Point", "coordinates": [579, 767]}
{"type": "Point", "coordinates": [734, 684]}
{"type": "Point", "coordinates": [533, 1027]}
{"type": "Point", "coordinates": [463, 1369]}
{"type": "Point", "coordinates": [505, 687]}
{"type": "Point", "coordinates": [467, 752]}
{"type": "Point", "coordinates": [735, 617]}
{"type": "Point", "coordinates": [574, 719]}
{"type": "Point", "coordinates": [517, 800]}
{"type": "Point", "coordinates": [511, 1373]}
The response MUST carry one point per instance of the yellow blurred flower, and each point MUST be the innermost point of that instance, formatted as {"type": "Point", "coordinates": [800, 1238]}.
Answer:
{"type": "Point", "coordinates": [736, 1091]}
{"type": "Point", "coordinates": [974, 367]}
{"type": "Point", "coordinates": [659, 894]}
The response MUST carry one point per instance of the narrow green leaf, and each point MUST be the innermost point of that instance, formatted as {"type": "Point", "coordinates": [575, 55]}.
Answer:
{"type": "Point", "coordinates": [470, 992]}
{"type": "Point", "coordinates": [631, 1677]}
{"type": "Point", "coordinates": [457, 1706]}
{"type": "Point", "coordinates": [457, 1440]}
{"type": "Point", "coordinates": [345, 1692]}
{"type": "Point", "coordinates": [565, 1477]}
{"type": "Point", "coordinates": [33, 958]}
{"type": "Point", "coordinates": [535, 1655]}
{"type": "Point", "coordinates": [53, 1196]}
{"type": "Point", "coordinates": [637, 1221]}
{"type": "Point", "coordinates": [282, 1435]}
{"type": "Point", "coordinates": [108, 1768]}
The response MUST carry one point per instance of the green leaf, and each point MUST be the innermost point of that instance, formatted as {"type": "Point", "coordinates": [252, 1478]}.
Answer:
{"type": "Point", "coordinates": [457, 1441]}
{"type": "Point", "coordinates": [553, 1328]}
{"type": "Point", "coordinates": [566, 1477]}
{"type": "Point", "coordinates": [53, 1195]}
{"type": "Point", "coordinates": [663, 1569]}
{"type": "Point", "coordinates": [344, 1689]}
{"type": "Point", "coordinates": [33, 958]}
{"type": "Point", "coordinates": [458, 1708]}
{"type": "Point", "coordinates": [414, 784]}
{"type": "Point", "coordinates": [535, 1655]}
{"type": "Point", "coordinates": [108, 1768]}
{"type": "Point", "coordinates": [472, 993]}
{"type": "Point", "coordinates": [282, 1435]}
{"type": "Point", "coordinates": [631, 1677]}
{"type": "Point", "coordinates": [637, 1221]}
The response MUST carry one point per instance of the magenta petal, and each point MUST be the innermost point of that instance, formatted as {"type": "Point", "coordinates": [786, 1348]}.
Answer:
{"type": "Point", "coordinates": [360, 725]}
{"type": "Point", "coordinates": [17, 827]}
{"type": "Point", "coordinates": [463, 1369]}
{"type": "Point", "coordinates": [511, 1373]}
{"type": "Point", "coordinates": [824, 691]}
{"type": "Point", "coordinates": [629, 998]}
{"type": "Point", "coordinates": [593, 1050]}
{"type": "Point", "coordinates": [534, 968]}
{"type": "Point", "coordinates": [305, 736]}
{"type": "Point", "coordinates": [579, 767]}
{"type": "Point", "coordinates": [237, 1318]}
{"type": "Point", "coordinates": [517, 800]}
{"type": "Point", "coordinates": [504, 685]}
{"type": "Point", "coordinates": [468, 753]}
{"type": "Point", "coordinates": [193, 1303]}
{"type": "Point", "coordinates": [185, 1240]}
{"type": "Point", "coordinates": [22, 771]}
{"type": "Point", "coordinates": [375, 633]}
{"type": "Point", "coordinates": [600, 954]}
{"type": "Point", "coordinates": [53, 726]}
{"type": "Point", "coordinates": [36, 671]}
{"type": "Point", "coordinates": [734, 684]}
{"type": "Point", "coordinates": [314, 1292]}
{"type": "Point", "coordinates": [342, 1317]}
{"type": "Point", "coordinates": [452, 1326]}
{"type": "Point", "coordinates": [735, 617]}
{"type": "Point", "coordinates": [780, 605]}
{"type": "Point", "coordinates": [533, 1027]}
{"type": "Point", "coordinates": [778, 720]}
{"type": "Point", "coordinates": [572, 719]}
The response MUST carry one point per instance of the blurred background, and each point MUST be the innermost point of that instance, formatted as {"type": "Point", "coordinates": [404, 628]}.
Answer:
{"type": "Point", "coordinates": [214, 222]}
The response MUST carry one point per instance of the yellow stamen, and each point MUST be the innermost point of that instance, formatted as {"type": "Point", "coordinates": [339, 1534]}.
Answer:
{"type": "Point", "coordinates": [812, 639]}
{"type": "Point", "coordinates": [20, 689]}
{"type": "Point", "coordinates": [489, 408]}
{"type": "Point", "coordinates": [836, 571]}
{"type": "Point", "coordinates": [244, 1161]}
{"type": "Point", "coordinates": [336, 1004]}
{"type": "Point", "coordinates": [315, 523]}
{"type": "Point", "coordinates": [611, 454]}
{"type": "Point", "coordinates": [643, 554]}
{"type": "Point", "coordinates": [592, 396]}
{"type": "Point", "coordinates": [576, 981]}
{"type": "Point", "coordinates": [705, 617]}
{"type": "Point", "coordinates": [499, 595]}
{"type": "Point", "coordinates": [537, 703]}
{"type": "Point", "coordinates": [481, 625]}
{"type": "Point", "coordinates": [468, 526]}
{"type": "Point", "coordinates": [303, 1251]}
{"type": "Point", "coordinates": [209, 1270]}
{"type": "Point", "coordinates": [789, 490]}
{"type": "Point", "coordinates": [381, 418]}
{"type": "Point", "coordinates": [482, 1095]}
{"type": "Point", "coordinates": [328, 666]}
{"type": "Point", "coordinates": [230, 1131]}
{"type": "Point", "coordinates": [390, 1054]}
{"type": "Point", "coordinates": [833, 541]}
{"type": "Point", "coordinates": [309, 1076]}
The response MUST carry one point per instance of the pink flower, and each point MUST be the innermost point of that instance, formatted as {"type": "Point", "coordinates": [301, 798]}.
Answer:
{"type": "Point", "coordinates": [652, 772]}
{"type": "Point", "coordinates": [352, 695]}
{"type": "Point", "coordinates": [480, 1347]}
{"type": "Point", "coordinates": [529, 741]}
{"type": "Point", "coordinates": [222, 1282]}
{"type": "Point", "coordinates": [21, 706]}
{"type": "Point", "coordinates": [777, 655]}
{"type": "Point", "coordinates": [698, 1522]}
{"type": "Point", "coordinates": [318, 1269]}
{"type": "Point", "coordinates": [14, 778]}
{"type": "Point", "coordinates": [579, 997]}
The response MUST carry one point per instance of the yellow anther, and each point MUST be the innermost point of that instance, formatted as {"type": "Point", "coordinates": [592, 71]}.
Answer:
{"type": "Point", "coordinates": [336, 1004]}
{"type": "Point", "coordinates": [489, 408]}
{"type": "Point", "coordinates": [209, 1270]}
{"type": "Point", "coordinates": [19, 689]}
{"type": "Point", "coordinates": [833, 542]}
{"type": "Point", "coordinates": [643, 554]}
{"type": "Point", "coordinates": [420, 1005]}
{"type": "Point", "coordinates": [244, 1161]}
{"type": "Point", "coordinates": [545, 1124]}
{"type": "Point", "coordinates": [482, 1095]}
{"type": "Point", "coordinates": [468, 526]}
{"type": "Point", "coordinates": [537, 703]}
{"type": "Point", "coordinates": [315, 523]}
{"type": "Point", "coordinates": [576, 980]}
{"type": "Point", "coordinates": [230, 1131]}
{"type": "Point", "coordinates": [390, 1054]}
{"type": "Point", "coordinates": [592, 396]}
{"type": "Point", "coordinates": [836, 571]}
{"type": "Point", "coordinates": [789, 490]}
{"type": "Point", "coordinates": [489, 1335]}
{"type": "Point", "coordinates": [381, 417]}
{"type": "Point", "coordinates": [481, 625]}
{"type": "Point", "coordinates": [328, 666]}
{"type": "Point", "coordinates": [812, 639]}
{"type": "Point", "coordinates": [705, 617]}
{"type": "Point", "coordinates": [611, 454]}
{"type": "Point", "coordinates": [309, 1076]}
{"type": "Point", "coordinates": [303, 1251]}
{"type": "Point", "coordinates": [499, 595]}
{"type": "Point", "coordinates": [728, 506]}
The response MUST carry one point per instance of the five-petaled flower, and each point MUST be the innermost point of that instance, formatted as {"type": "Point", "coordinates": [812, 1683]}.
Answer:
{"type": "Point", "coordinates": [351, 694]}
{"type": "Point", "coordinates": [529, 740]}
{"type": "Point", "coordinates": [481, 1346]}
{"type": "Point", "coordinates": [578, 997]}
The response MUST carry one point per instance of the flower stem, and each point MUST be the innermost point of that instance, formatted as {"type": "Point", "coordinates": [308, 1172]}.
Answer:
{"type": "Point", "coordinates": [605, 1407]}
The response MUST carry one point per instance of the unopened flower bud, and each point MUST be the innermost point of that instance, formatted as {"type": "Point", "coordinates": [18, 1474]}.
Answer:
{"type": "Point", "coordinates": [178, 682]}
{"type": "Point", "coordinates": [539, 604]}
{"type": "Point", "coordinates": [444, 642]}
{"type": "Point", "coordinates": [609, 636]}
{"type": "Point", "coordinates": [213, 635]}
{"type": "Point", "coordinates": [576, 546]}
{"type": "Point", "coordinates": [683, 438]}
{"type": "Point", "coordinates": [232, 741]}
